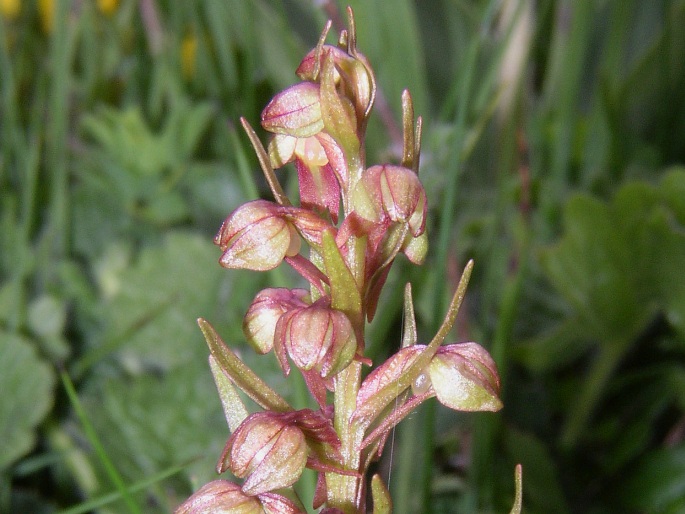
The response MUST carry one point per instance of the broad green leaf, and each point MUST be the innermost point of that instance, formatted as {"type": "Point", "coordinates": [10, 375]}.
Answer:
{"type": "Point", "coordinates": [149, 423]}
{"type": "Point", "coordinates": [26, 382]}
{"type": "Point", "coordinates": [158, 299]}
{"type": "Point", "coordinates": [592, 268]}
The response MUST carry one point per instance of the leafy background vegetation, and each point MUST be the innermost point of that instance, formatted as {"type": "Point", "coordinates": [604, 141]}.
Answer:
{"type": "Point", "coordinates": [554, 144]}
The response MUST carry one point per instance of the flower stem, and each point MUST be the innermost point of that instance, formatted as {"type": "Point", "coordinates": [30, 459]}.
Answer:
{"type": "Point", "coordinates": [344, 491]}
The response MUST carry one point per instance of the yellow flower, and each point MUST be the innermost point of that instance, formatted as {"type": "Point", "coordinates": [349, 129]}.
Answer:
{"type": "Point", "coordinates": [10, 8]}
{"type": "Point", "coordinates": [46, 9]}
{"type": "Point", "coordinates": [188, 55]}
{"type": "Point", "coordinates": [108, 6]}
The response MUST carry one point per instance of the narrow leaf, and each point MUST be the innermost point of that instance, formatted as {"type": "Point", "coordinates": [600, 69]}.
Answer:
{"type": "Point", "coordinates": [264, 161]}
{"type": "Point", "coordinates": [518, 499]}
{"type": "Point", "coordinates": [240, 374]}
{"type": "Point", "coordinates": [94, 440]}
{"type": "Point", "coordinates": [409, 334]}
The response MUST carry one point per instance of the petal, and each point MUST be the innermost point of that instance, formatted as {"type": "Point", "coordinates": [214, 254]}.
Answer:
{"type": "Point", "coordinates": [295, 111]}
{"type": "Point", "coordinates": [282, 150]}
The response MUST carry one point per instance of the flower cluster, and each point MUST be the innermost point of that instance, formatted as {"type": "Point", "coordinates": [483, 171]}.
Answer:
{"type": "Point", "coordinates": [342, 234]}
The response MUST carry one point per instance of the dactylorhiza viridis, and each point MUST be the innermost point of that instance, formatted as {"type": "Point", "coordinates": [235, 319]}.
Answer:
{"type": "Point", "coordinates": [354, 220]}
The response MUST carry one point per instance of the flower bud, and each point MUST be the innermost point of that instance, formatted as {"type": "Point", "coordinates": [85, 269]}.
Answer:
{"type": "Point", "coordinates": [220, 496]}
{"type": "Point", "coordinates": [268, 306]}
{"type": "Point", "coordinates": [316, 337]}
{"type": "Point", "coordinates": [394, 193]}
{"type": "Point", "coordinates": [257, 237]}
{"type": "Point", "coordinates": [266, 450]}
{"type": "Point", "coordinates": [295, 111]}
{"type": "Point", "coordinates": [465, 378]}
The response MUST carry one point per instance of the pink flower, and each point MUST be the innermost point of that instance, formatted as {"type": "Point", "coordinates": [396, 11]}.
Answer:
{"type": "Point", "coordinates": [224, 496]}
{"type": "Point", "coordinates": [391, 193]}
{"type": "Point", "coordinates": [257, 237]}
{"type": "Point", "coordinates": [267, 451]}
{"type": "Point", "coordinates": [266, 309]}
{"type": "Point", "coordinates": [465, 378]}
{"type": "Point", "coordinates": [315, 337]}
{"type": "Point", "coordinates": [321, 169]}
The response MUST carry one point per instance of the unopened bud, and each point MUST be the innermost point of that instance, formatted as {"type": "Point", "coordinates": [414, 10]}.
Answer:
{"type": "Point", "coordinates": [316, 337]}
{"type": "Point", "coordinates": [391, 192]}
{"type": "Point", "coordinates": [267, 451]}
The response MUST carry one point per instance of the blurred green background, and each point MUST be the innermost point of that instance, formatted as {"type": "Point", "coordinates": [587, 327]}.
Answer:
{"type": "Point", "coordinates": [553, 152]}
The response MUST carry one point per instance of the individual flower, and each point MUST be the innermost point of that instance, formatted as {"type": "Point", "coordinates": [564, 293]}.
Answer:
{"type": "Point", "coordinates": [267, 450]}
{"type": "Point", "coordinates": [315, 337]}
{"type": "Point", "coordinates": [256, 237]}
{"type": "Point", "coordinates": [462, 376]}
{"type": "Point", "coordinates": [465, 378]}
{"type": "Point", "coordinates": [222, 496]}
{"type": "Point", "coordinates": [319, 184]}
{"type": "Point", "coordinates": [259, 323]}
{"type": "Point", "coordinates": [391, 193]}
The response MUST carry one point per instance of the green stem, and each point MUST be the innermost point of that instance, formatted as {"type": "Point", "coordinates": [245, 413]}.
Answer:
{"type": "Point", "coordinates": [344, 490]}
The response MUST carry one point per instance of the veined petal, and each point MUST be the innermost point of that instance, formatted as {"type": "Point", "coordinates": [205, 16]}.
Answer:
{"type": "Point", "coordinates": [295, 111]}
